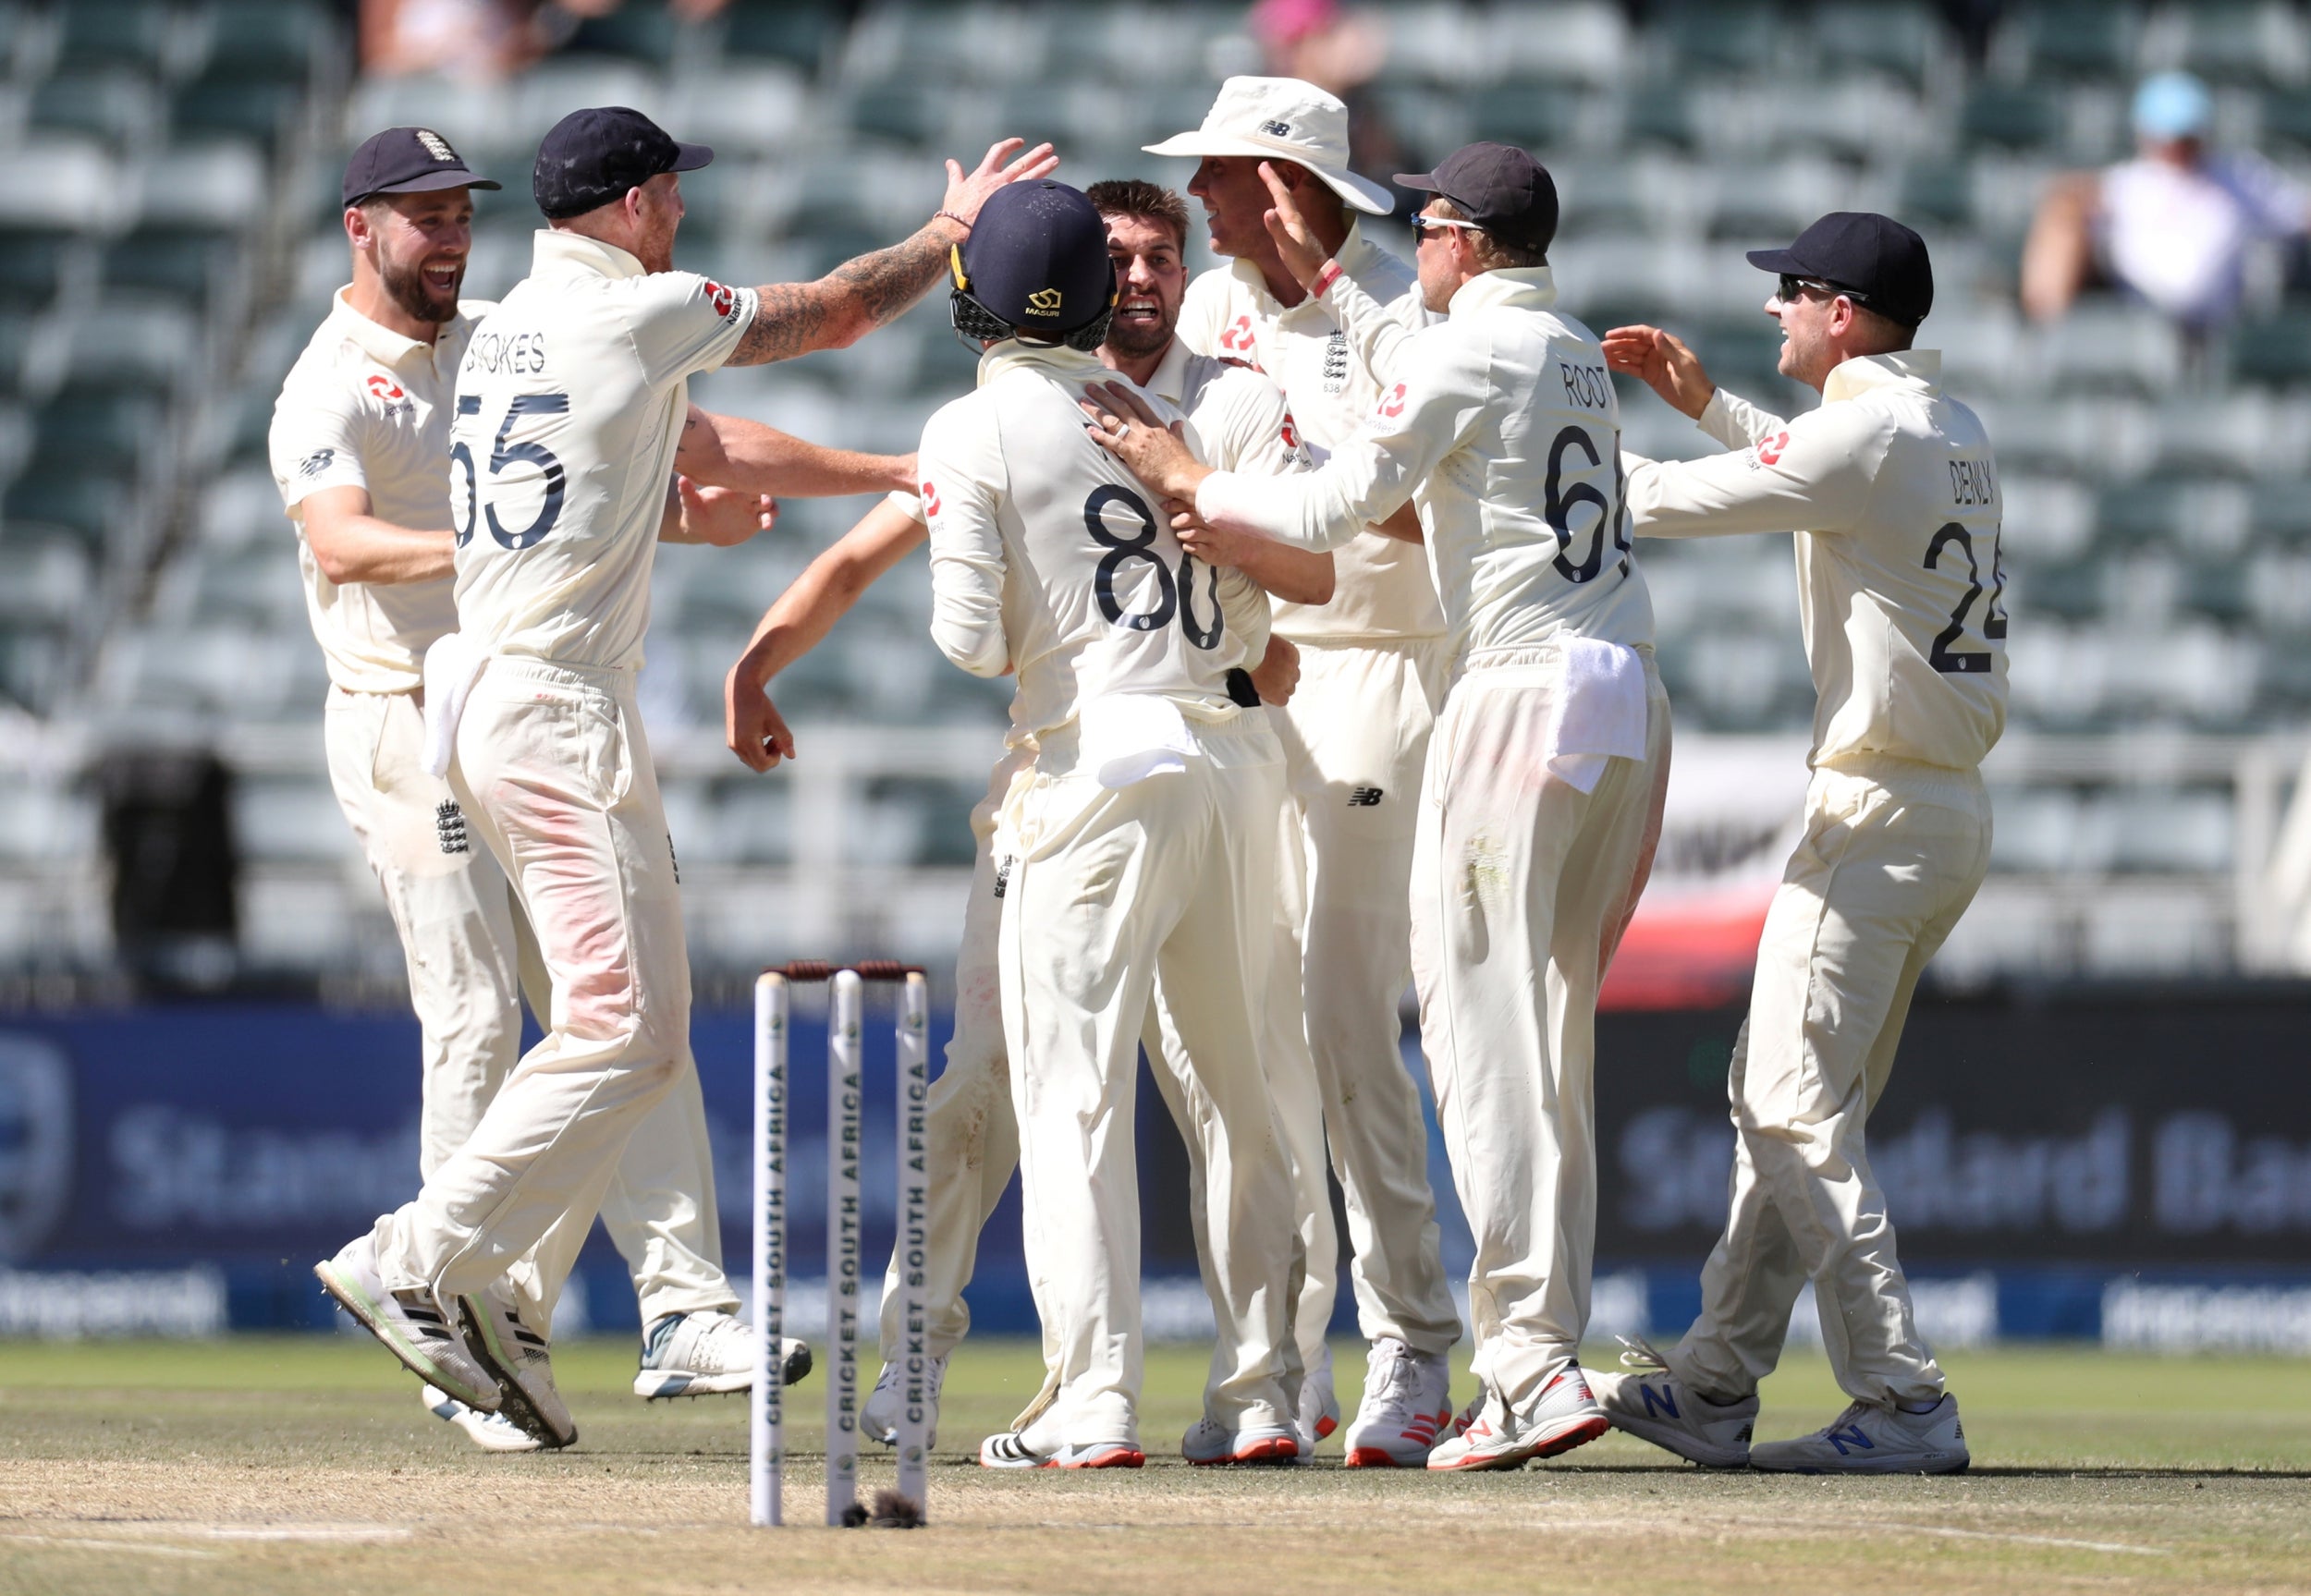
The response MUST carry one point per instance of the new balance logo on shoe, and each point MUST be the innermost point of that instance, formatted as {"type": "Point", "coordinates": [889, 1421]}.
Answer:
{"type": "Point", "coordinates": [1364, 797]}
{"type": "Point", "coordinates": [1659, 1402]}
{"type": "Point", "coordinates": [1849, 1436]}
{"type": "Point", "coordinates": [450, 826]}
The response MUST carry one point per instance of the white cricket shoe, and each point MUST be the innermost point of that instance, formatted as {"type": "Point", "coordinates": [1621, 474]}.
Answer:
{"type": "Point", "coordinates": [523, 1363]}
{"type": "Point", "coordinates": [1407, 1402]}
{"type": "Point", "coordinates": [1319, 1412]}
{"type": "Point", "coordinates": [878, 1419]}
{"type": "Point", "coordinates": [413, 1325]}
{"type": "Point", "coordinates": [1036, 1444]}
{"type": "Point", "coordinates": [1866, 1439]}
{"type": "Point", "coordinates": [490, 1431]}
{"type": "Point", "coordinates": [708, 1354]}
{"type": "Point", "coordinates": [1645, 1400]}
{"type": "Point", "coordinates": [1562, 1417]}
{"type": "Point", "coordinates": [1208, 1444]}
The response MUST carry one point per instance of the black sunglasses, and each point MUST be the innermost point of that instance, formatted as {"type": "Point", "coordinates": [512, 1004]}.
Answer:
{"type": "Point", "coordinates": [1792, 285]}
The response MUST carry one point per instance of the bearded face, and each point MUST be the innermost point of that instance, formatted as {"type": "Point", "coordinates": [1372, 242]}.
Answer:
{"type": "Point", "coordinates": [422, 242]}
{"type": "Point", "coordinates": [1150, 279]}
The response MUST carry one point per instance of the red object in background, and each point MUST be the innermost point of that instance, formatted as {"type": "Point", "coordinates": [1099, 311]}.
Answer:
{"type": "Point", "coordinates": [1689, 950]}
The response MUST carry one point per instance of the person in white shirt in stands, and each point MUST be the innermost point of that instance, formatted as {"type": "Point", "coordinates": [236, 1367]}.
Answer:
{"type": "Point", "coordinates": [1892, 495]}
{"type": "Point", "coordinates": [571, 406]}
{"type": "Point", "coordinates": [1546, 775]}
{"type": "Point", "coordinates": [360, 447]}
{"type": "Point", "coordinates": [1140, 848]}
{"type": "Point", "coordinates": [2174, 227]}
{"type": "Point", "coordinates": [1371, 674]}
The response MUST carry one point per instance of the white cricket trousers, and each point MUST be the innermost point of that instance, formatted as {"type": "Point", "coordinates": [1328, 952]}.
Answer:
{"type": "Point", "coordinates": [1893, 853]}
{"type": "Point", "coordinates": [1355, 739]}
{"type": "Point", "coordinates": [1521, 886]}
{"type": "Point", "coordinates": [973, 1136]}
{"type": "Point", "coordinates": [1158, 890]}
{"type": "Point", "coordinates": [472, 960]}
{"type": "Point", "coordinates": [555, 779]}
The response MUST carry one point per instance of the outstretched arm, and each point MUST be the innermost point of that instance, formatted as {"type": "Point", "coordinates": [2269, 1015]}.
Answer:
{"type": "Point", "coordinates": [731, 452]}
{"type": "Point", "coordinates": [799, 620]}
{"type": "Point", "coordinates": [861, 295]}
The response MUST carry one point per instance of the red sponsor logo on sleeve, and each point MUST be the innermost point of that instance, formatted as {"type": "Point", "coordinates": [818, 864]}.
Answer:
{"type": "Point", "coordinates": [384, 387]}
{"type": "Point", "coordinates": [723, 300]}
{"type": "Point", "coordinates": [1770, 452]}
{"type": "Point", "coordinates": [1392, 404]}
{"type": "Point", "coordinates": [1292, 432]}
{"type": "Point", "coordinates": [930, 498]}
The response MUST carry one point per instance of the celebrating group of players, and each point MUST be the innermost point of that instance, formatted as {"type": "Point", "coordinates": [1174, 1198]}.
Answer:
{"type": "Point", "coordinates": [1268, 756]}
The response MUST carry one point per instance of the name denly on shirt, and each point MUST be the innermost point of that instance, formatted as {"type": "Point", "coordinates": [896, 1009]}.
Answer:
{"type": "Point", "coordinates": [1971, 483]}
{"type": "Point", "coordinates": [506, 354]}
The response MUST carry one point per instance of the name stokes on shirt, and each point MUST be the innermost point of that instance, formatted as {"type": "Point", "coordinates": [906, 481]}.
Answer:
{"type": "Point", "coordinates": [506, 354]}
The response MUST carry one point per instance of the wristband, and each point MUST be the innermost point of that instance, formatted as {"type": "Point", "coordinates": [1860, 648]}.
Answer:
{"type": "Point", "coordinates": [1325, 279]}
{"type": "Point", "coordinates": [950, 216]}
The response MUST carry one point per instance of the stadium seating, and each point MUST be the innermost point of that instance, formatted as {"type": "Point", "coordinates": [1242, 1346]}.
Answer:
{"type": "Point", "coordinates": [169, 236]}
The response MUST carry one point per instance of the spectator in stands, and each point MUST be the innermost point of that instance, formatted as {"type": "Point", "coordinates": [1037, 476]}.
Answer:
{"type": "Point", "coordinates": [1340, 52]}
{"type": "Point", "coordinates": [485, 39]}
{"type": "Point", "coordinates": [2172, 226]}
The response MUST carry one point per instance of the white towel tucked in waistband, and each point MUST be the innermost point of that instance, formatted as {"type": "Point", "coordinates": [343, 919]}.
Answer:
{"type": "Point", "coordinates": [452, 665]}
{"type": "Point", "coordinates": [1127, 738]}
{"type": "Point", "coordinates": [1597, 714]}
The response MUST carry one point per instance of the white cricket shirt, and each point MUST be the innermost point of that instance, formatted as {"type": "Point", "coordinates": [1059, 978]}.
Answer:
{"type": "Point", "coordinates": [570, 405]}
{"type": "Point", "coordinates": [1501, 424]}
{"type": "Point", "coordinates": [1047, 556]}
{"type": "Point", "coordinates": [366, 408]}
{"type": "Point", "coordinates": [1381, 588]}
{"type": "Point", "coordinates": [1894, 493]}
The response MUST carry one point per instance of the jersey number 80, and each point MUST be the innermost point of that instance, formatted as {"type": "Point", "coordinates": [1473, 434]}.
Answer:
{"type": "Point", "coordinates": [1172, 597]}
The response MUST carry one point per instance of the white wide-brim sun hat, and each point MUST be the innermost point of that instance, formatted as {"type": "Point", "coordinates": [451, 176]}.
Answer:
{"type": "Point", "coordinates": [1281, 119]}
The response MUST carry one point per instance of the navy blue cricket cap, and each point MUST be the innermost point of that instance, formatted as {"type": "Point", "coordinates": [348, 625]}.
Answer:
{"type": "Point", "coordinates": [1877, 261]}
{"type": "Point", "coordinates": [1037, 258]}
{"type": "Point", "coordinates": [1499, 187]}
{"type": "Point", "coordinates": [406, 161]}
{"type": "Point", "coordinates": [591, 157]}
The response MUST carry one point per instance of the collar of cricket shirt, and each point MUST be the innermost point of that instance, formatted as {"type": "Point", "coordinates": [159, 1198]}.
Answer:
{"type": "Point", "coordinates": [1517, 287]}
{"type": "Point", "coordinates": [557, 248]}
{"type": "Point", "coordinates": [1354, 258]}
{"type": "Point", "coordinates": [1920, 369]}
{"type": "Point", "coordinates": [1168, 381]}
{"type": "Point", "coordinates": [379, 342]}
{"type": "Point", "coordinates": [1056, 361]}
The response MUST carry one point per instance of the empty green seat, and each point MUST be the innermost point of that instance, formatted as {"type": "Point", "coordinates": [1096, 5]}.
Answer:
{"type": "Point", "coordinates": [1901, 38]}
{"type": "Point", "coordinates": [2275, 352]}
{"type": "Point", "coordinates": [111, 34]}
{"type": "Point", "coordinates": [790, 31]}
{"type": "Point", "coordinates": [2013, 117]}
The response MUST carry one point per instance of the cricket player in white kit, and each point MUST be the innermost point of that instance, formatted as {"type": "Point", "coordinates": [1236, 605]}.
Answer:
{"type": "Point", "coordinates": [1549, 762]}
{"type": "Point", "coordinates": [1140, 846]}
{"type": "Point", "coordinates": [973, 1136]}
{"type": "Point", "coordinates": [1373, 666]}
{"type": "Point", "coordinates": [360, 444]}
{"type": "Point", "coordinates": [571, 405]}
{"type": "Point", "coordinates": [1892, 495]}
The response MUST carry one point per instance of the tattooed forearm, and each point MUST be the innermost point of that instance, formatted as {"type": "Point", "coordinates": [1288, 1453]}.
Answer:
{"type": "Point", "coordinates": [848, 303]}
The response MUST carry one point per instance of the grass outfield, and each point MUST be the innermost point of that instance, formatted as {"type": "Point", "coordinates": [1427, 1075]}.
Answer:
{"type": "Point", "coordinates": [305, 1464]}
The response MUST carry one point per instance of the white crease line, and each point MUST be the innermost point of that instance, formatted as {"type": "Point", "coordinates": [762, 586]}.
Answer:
{"type": "Point", "coordinates": [300, 1531]}
{"type": "Point", "coordinates": [2010, 1535]}
{"type": "Point", "coordinates": [83, 1543]}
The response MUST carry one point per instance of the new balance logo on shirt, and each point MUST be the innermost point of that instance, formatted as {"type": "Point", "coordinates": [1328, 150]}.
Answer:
{"type": "Point", "coordinates": [1364, 797]}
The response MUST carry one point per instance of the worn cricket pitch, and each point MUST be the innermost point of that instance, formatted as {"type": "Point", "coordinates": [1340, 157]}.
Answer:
{"type": "Point", "coordinates": [305, 1464]}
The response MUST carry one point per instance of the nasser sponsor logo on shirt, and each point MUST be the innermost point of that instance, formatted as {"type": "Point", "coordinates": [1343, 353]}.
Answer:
{"type": "Point", "coordinates": [724, 300]}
